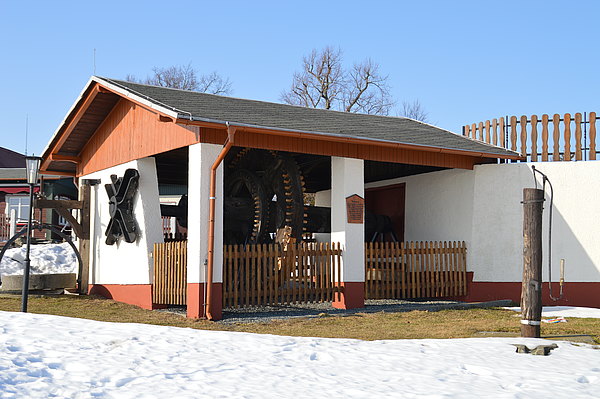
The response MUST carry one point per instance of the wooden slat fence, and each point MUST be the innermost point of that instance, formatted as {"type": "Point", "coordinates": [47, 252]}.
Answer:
{"type": "Point", "coordinates": [170, 273]}
{"type": "Point", "coordinates": [267, 274]}
{"type": "Point", "coordinates": [422, 269]}
{"type": "Point", "coordinates": [557, 138]}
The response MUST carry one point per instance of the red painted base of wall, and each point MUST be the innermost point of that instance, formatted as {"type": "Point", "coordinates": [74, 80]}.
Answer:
{"type": "Point", "coordinates": [195, 301]}
{"type": "Point", "coordinates": [353, 296]}
{"type": "Point", "coordinates": [133, 294]}
{"type": "Point", "coordinates": [575, 293]}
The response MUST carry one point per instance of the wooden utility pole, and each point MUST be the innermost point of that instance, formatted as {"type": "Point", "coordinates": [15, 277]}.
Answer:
{"type": "Point", "coordinates": [531, 289]}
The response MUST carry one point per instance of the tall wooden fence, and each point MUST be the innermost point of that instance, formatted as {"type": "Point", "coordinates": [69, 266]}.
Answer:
{"type": "Point", "coordinates": [269, 275]}
{"type": "Point", "coordinates": [170, 273]}
{"type": "Point", "coordinates": [556, 138]}
{"type": "Point", "coordinates": [415, 269]}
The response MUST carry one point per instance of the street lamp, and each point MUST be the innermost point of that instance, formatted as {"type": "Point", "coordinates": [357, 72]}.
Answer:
{"type": "Point", "coordinates": [32, 166]}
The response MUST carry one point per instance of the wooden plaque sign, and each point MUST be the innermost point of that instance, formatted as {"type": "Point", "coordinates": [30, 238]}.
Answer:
{"type": "Point", "coordinates": [355, 209]}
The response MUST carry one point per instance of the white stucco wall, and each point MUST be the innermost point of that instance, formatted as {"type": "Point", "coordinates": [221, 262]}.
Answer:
{"type": "Point", "coordinates": [201, 158]}
{"type": "Point", "coordinates": [438, 205]}
{"type": "Point", "coordinates": [496, 249]}
{"type": "Point", "coordinates": [483, 207]}
{"type": "Point", "coordinates": [125, 263]}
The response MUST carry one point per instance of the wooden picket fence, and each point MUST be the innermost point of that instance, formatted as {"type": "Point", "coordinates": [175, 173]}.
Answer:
{"type": "Point", "coordinates": [267, 274]}
{"type": "Point", "coordinates": [415, 269]}
{"type": "Point", "coordinates": [170, 273]}
{"type": "Point", "coordinates": [572, 138]}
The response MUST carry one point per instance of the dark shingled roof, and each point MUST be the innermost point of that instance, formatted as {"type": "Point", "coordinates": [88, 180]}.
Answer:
{"type": "Point", "coordinates": [11, 159]}
{"type": "Point", "coordinates": [209, 107]}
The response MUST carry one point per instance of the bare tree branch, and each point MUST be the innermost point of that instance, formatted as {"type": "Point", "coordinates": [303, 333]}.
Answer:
{"type": "Point", "coordinates": [323, 83]}
{"type": "Point", "coordinates": [215, 84]}
{"type": "Point", "coordinates": [185, 78]}
{"type": "Point", "coordinates": [414, 110]}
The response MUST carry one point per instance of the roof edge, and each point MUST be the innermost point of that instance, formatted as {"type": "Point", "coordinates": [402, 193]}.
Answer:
{"type": "Point", "coordinates": [345, 138]}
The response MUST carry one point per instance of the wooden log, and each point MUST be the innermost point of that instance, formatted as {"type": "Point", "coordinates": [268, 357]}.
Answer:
{"type": "Point", "coordinates": [474, 131]}
{"type": "Point", "coordinates": [545, 137]}
{"type": "Point", "coordinates": [513, 133]}
{"type": "Point", "coordinates": [495, 131]}
{"type": "Point", "coordinates": [592, 153]}
{"type": "Point", "coordinates": [523, 135]}
{"type": "Point", "coordinates": [462, 269]}
{"type": "Point", "coordinates": [487, 131]}
{"type": "Point", "coordinates": [531, 288]}
{"type": "Point", "coordinates": [237, 273]}
{"type": "Point", "coordinates": [338, 252]}
{"type": "Point", "coordinates": [502, 133]}
{"type": "Point", "coordinates": [578, 152]}
{"type": "Point", "coordinates": [556, 137]}
{"type": "Point", "coordinates": [455, 252]}
{"type": "Point", "coordinates": [403, 269]}
{"type": "Point", "coordinates": [534, 138]}
{"type": "Point", "coordinates": [567, 154]}
{"type": "Point", "coordinates": [481, 131]}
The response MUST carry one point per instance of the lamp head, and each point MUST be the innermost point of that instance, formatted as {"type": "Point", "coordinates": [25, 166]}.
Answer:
{"type": "Point", "coordinates": [32, 166]}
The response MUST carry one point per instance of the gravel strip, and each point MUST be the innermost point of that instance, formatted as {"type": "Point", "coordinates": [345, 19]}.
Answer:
{"type": "Point", "coordinates": [266, 314]}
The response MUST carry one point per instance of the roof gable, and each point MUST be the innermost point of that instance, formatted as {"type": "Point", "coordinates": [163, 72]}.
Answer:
{"type": "Point", "coordinates": [102, 95]}
{"type": "Point", "coordinates": [213, 108]}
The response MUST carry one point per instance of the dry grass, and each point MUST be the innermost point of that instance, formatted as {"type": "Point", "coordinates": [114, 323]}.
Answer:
{"type": "Point", "coordinates": [408, 325]}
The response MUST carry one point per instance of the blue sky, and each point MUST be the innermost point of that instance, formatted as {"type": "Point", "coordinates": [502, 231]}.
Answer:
{"type": "Point", "coordinates": [465, 61]}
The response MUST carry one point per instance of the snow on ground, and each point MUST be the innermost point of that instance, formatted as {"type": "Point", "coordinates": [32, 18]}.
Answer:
{"type": "Point", "coordinates": [46, 258]}
{"type": "Point", "coordinates": [565, 311]}
{"type": "Point", "coordinates": [49, 356]}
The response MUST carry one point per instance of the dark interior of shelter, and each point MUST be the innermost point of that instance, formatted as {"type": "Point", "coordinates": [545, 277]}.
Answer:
{"type": "Point", "coordinates": [266, 191]}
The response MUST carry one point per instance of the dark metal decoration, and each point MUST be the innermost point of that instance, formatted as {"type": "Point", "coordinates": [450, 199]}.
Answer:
{"type": "Point", "coordinates": [120, 193]}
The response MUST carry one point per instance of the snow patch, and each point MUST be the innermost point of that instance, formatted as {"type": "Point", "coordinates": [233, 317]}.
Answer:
{"type": "Point", "coordinates": [565, 311]}
{"type": "Point", "coordinates": [45, 259]}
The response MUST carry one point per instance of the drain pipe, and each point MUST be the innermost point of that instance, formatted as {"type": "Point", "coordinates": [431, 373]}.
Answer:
{"type": "Point", "coordinates": [211, 220]}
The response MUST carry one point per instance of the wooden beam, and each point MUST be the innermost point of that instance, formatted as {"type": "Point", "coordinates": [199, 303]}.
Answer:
{"type": "Point", "coordinates": [63, 208]}
{"type": "Point", "coordinates": [65, 158]}
{"type": "Point", "coordinates": [164, 118]}
{"type": "Point", "coordinates": [72, 124]}
{"type": "Point", "coordinates": [57, 173]}
{"type": "Point", "coordinates": [57, 204]}
{"type": "Point", "coordinates": [65, 213]}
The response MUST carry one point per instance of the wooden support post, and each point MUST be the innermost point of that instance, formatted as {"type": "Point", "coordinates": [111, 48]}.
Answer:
{"type": "Point", "coordinates": [531, 289]}
{"type": "Point", "coordinates": [84, 239]}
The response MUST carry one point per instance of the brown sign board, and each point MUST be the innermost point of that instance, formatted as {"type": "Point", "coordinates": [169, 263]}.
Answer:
{"type": "Point", "coordinates": [355, 209]}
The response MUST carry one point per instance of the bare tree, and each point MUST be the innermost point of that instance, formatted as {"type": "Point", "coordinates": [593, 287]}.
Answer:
{"type": "Point", "coordinates": [414, 110]}
{"type": "Point", "coordinates": [324, 83]}
{"type": "Point", "coordinates": [185, 78]}
{"type": "Point", "coordinates": [214, 83]}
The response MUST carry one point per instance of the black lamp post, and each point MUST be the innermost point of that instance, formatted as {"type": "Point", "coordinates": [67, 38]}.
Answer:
{"type": "Point", "coordinates": [32, 165]}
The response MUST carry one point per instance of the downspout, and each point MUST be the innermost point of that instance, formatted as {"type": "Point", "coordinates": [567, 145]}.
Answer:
{"type": "Point", "coordinates": [211, 220]}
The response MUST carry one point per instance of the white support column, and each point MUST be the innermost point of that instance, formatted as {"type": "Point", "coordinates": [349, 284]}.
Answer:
{"type": "Point", "coordinates": [201, 158]}
{"type": "Point", "coordinates": [347, 179]}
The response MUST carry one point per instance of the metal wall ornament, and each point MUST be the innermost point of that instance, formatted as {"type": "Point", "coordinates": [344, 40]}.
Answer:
{"type": "Point", "coordinates": [121, 192]}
